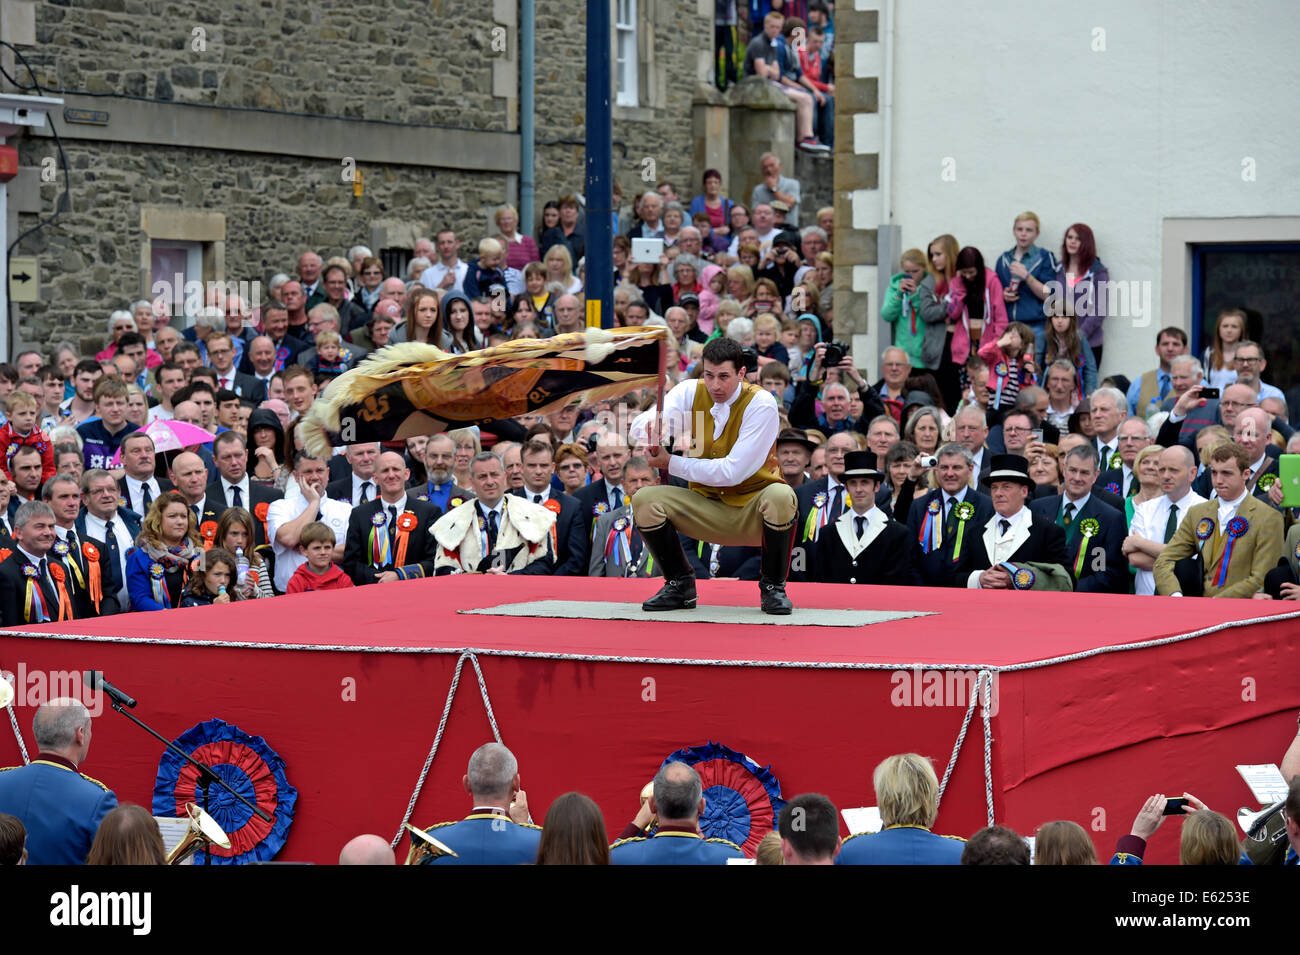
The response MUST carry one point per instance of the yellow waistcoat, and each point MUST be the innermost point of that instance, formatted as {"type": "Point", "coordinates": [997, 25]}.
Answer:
{"type": "Point", "coordinates": [769, 473]}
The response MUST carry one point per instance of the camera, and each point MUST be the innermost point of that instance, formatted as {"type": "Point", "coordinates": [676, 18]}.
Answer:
{"type": "Point", "coordinates": [835, 353]}
{"type": "Point", "coordinates": [929, 461]}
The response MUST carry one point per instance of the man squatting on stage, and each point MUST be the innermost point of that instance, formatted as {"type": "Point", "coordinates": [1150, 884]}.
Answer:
{"type": "Point", "coordinates": [736, 495]}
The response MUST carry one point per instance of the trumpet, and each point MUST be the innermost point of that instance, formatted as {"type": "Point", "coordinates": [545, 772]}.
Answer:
{"type": "Point", "coordinates": [202, 833]}
{"type": "Point", "coordinates": [424, 847]}
{"type": "Point", "coordinates": [647, 791]}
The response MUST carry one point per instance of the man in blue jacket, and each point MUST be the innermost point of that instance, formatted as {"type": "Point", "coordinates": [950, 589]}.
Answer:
{"type": "Point", "coordinates": [678, 801]}
{"type": "Point", "coordinates": [60, 806]}
{"type": "Point", "coordinates": [497, 830]}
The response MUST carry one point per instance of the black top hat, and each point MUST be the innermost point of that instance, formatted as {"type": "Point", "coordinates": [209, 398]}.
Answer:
{"type": "Point", "coordinates": [1009, 467]}
{"type": "Point", "coordinates": [861, 464]}
{"type": "Point", "coordinates": [795, 436]}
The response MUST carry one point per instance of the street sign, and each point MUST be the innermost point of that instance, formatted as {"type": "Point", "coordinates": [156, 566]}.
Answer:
{"type": "Point", "coordinates": [24, 279]}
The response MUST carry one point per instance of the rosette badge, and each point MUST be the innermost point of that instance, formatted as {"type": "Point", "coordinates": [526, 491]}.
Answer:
{"type": "Point", "coordinates": [1023, 579]}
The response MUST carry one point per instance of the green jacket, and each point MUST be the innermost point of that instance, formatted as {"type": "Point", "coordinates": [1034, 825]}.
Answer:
{"type": "Point", "coordinates": [909, 329]}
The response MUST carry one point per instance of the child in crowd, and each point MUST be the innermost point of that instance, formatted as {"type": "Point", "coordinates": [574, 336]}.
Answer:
{"type": "Point", "coordinates": [767, 329]}
{"type": "Point", "coordinates": [1011, 364]}
{"type": "Point", "coordinates": [22, 410]}
{"type": "Point", "coordinates": [316, 543]}
{"type": "Point", "coordinates": [329, 361]}
{"type": "Point", "coordinates": [213, 585]}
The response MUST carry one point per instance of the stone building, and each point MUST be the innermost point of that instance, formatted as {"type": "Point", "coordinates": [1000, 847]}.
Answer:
{"type": "Point", "coordinates": [225, 138]}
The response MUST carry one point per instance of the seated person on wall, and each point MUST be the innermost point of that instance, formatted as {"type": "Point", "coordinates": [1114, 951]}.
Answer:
{"type": "Point", "coordinates": [864, 546]}
{"type": "Point", "coordinates": [497, 830]}
{"type": "Point", "coordinates": [1237, 536]}
{"type": "Point", "coordinates": [736, 495]}
{"type": "Point", "coordinates": [497, 533]}
{"type": "Point", "coordinates": [907, 792]}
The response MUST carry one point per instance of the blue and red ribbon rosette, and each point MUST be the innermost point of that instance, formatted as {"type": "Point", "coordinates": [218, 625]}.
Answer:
{"type": "Point", "coordinates": [742, 799]}
{"type": "Point", "coordinates": [252, 769]}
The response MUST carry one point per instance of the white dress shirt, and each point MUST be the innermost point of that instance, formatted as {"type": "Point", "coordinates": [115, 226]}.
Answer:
{"type": "Point", "coordinates": [334, 514]}
{"type": "Point", "coordinates": [100, 530]}
{"type": "Point", "coordinates": [226, 487]}
{"type": "Point", "coordinates": [1005, 545]}
{"type": "Point", "coordinates": [1228, 510]}
{"type": "Point", "coordinates": [135, 494]}
{"type": "Point", "coordinates": [433, 275]}
{"type": "Point", "coordinates": [758, 431]}
{"type": "Point", "coordinates": [372, 492]}
{"type": "Point", "coordinates": [1149, 520]}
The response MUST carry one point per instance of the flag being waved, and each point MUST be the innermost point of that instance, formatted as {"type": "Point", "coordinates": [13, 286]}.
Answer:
{"type": "Point", "coordinates": [412, 388]}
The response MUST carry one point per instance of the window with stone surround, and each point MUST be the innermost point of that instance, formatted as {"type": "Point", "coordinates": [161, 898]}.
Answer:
{"type": "Point", "coordinates": [183, 253]}
{"type": "Point", "coordinates": [627, 65]}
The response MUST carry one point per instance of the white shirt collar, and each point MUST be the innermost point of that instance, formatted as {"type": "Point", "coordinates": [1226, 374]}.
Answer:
{"type": "Point", "coordinates": [1014, 519]}
{"type": "Point", "coordinates": [1232, 505]}
{"type": "Point", "coordinates": [31, 558]}
{"type": "Point", "coordinates": [400, 504]}
{"type": "Point", "coordinates": [1180, 502]}
{"type": "Point", "coordinates": [1258, 467]}
{"type": "Point", "coordinates": [500, 507]}
{"type": "Point", "coordinates": [1080, 504]}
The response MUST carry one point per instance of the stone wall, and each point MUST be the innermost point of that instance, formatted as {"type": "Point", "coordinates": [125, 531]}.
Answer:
{"type": "Point", "coordinates": [377, 60]}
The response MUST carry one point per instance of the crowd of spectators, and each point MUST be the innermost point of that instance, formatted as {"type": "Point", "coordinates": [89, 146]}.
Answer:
{"type": "Point", "coordinates": [85, 823]}
{"type": "Point", "coordinates": [988, 414]}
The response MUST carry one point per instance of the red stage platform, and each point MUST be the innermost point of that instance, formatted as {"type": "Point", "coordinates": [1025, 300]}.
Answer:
{"type": "Point", "coordinates": [1098, 701]}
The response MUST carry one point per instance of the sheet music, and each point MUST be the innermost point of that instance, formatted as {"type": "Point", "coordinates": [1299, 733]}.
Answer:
{"type": "Point", "coordinates": [1265, 781]}
{"type": "Point", "coordinates": [173, 829]}
{"type": "Point", "coordinates": [862, 819]}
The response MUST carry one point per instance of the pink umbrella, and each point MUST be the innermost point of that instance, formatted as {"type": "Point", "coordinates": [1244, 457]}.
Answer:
{"type": "Point", "coordinates": [170, 436]}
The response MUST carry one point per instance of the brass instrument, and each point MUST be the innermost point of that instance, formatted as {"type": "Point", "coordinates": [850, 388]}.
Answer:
{"type": "Point", "coordinates": [647, 791]}
{"type": "Point", "coordinates": [202, 833]}
{"type": "Point", "coordinates": [425, 847]}
{"type": "Point", "coordinates": [1266, 840]}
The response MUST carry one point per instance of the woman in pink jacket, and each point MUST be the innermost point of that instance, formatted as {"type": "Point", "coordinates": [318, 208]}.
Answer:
{"type": "Point", "coordinates": [975, 303]}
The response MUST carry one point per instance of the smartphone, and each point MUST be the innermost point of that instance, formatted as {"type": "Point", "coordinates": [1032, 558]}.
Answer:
{"type": "Point", "coordinates": [1175, 807]}
{"type": "Point", "coordinates": [1210, 393]}
{"type": "Point", "coordinates": [1036, 434]}
{"type": "Point", "coordinates": [647, 250]}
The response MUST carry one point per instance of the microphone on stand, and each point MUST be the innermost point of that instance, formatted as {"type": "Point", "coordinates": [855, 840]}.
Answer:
{"type": "Point", "coordinates": [95, 680]}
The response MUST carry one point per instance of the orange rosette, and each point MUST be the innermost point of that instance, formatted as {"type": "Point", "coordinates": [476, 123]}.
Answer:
{"type": "Point", "coordinates": [406, 522]}
{"type": "Point", "coordinates": [209, 531]}
{"type": "Point", "coordinates": [60, 576]}
{"type": "Point", "coordinates": [96, 582]}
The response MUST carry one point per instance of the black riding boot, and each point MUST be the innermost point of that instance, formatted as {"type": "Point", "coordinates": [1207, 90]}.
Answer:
{"type": "Point", "coordinates": [678, 591]}
{"type": "Point", "coordinates": [777, 544]}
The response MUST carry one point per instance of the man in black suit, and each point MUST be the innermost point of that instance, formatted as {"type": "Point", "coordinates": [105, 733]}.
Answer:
{"type": "Point", "coordinates": [190, 475]}
{"type": "Point", "coordinates": [91, 580]}
{"type": "Point", "coordinates": [102, 518]}
{"type": "Point", "coordinates": [232, 488]}
{"type": "Point", "coordinates": [260, 355]}
{"type": "Point", "coordinates": [1014, 534]}
{"type": "Point", "coordinates": [1094, 531]}
{"type": "Point", "coordinates": [25, 467]}
{"type": "Point", "coordinates": [864, 546]}
{"type": "Point", "coordinates": [1133, 436]}
{"type": "Point", "coordinates": [138, 485]}
{"type": "Point", "coordinates": [359, 485]}
{"type": "Point", "coordinates": [936, 517]}
{"type": "Point", "coordinates": [821, 503]}
{"type": "Point", "coordinates": [607, 494]}
{"type": "Point", "coordinates": [388, 538]}
{"type": "Point", "coordinates": [221, 356]}
{"type": "Point", "coordinates": [285, 348]}
{"type": "Point", "coordinates": [1251, 431]}
{"type": "Point", "coordinates": [572, 545]}
{"type": "Point", "coordinates": [970, 428]}
{"type": "Point", "coordinates": [617, 549]}
{"type": "Point", "coordinates": [32, 563]}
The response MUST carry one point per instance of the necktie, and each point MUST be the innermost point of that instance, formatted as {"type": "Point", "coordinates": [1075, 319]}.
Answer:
{"type": "Point", "coordinates": [1003, 526]}
{"type": "Point", "coordinates": [365, 492]}
{"type": "Point", "coordinates": [47, 590]}
{"type": "Point", "coordinates": [72, 540]}
{"type": "Point", "coordinates": [225, 383]}
{"type": "Point", "coordinates": [537, 499]}
{"type": "Point", "coordinates": [836, 505]}
{"type": "Point", "coordinates": [392, 522]}
{"type": "Point", "coordinates": [1171, 525]}
{"type": "Point", "coordinates": [860, 521]}
{"type": "Point", "coordinates": [1069, 513]}
{"type": "Point", "coordinates": [492, 531]}
{"type": "Point", "coordinates": [239, 495]}
{"type": "Point", "coordinates": [1133, 485]}
{"type": "Point", "coordinates": [615, 498]}
{"type": "Point", "coordinates": [197, 516]}
{"type": "Point", "coordinates": [146, 496]}
{"type": "Point", "coordinates": [1165, 382]}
